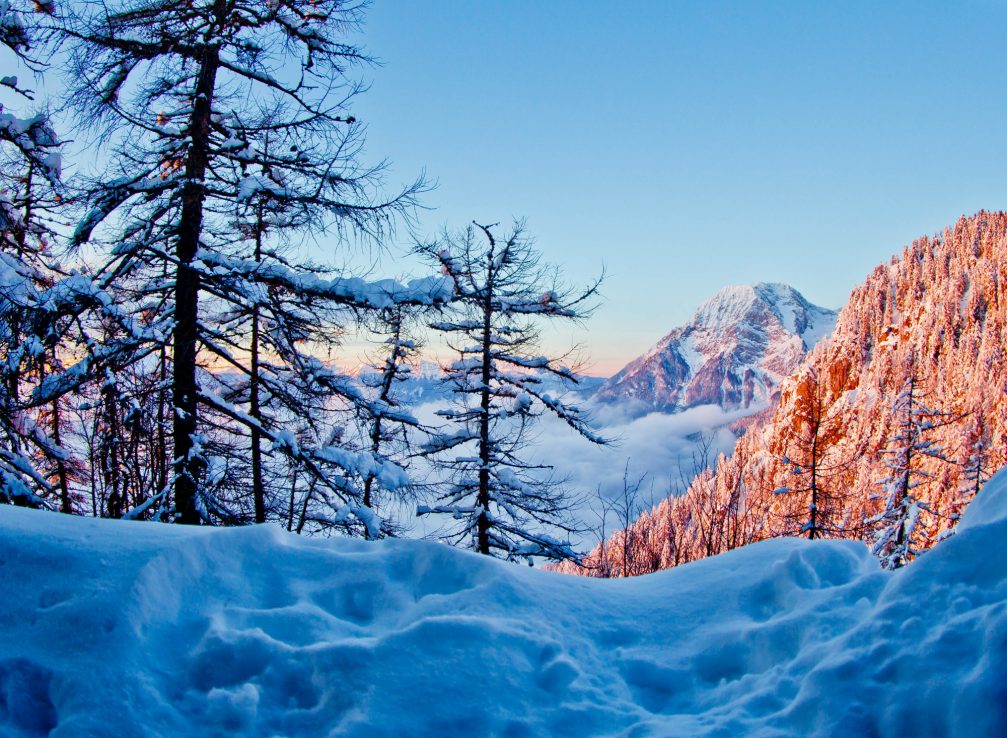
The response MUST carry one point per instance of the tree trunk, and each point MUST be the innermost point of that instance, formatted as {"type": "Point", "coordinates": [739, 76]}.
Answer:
{"type": "Point", "coordinates": [184, 389]}
{"type": "Point", "coordinates": [293, 491]}
{"type": "Point", "coordinates": [115, 503]}
{"type": "Point", "coordinates": [65, 503]}
{"type": "Point", "coordinates": [391, 369]}
{"type": "Point", "coordinates": [162, 401]}
{"type": "Point", "coordinates": [483, 498]}
{"type": "Point", "coordinates": [907, 462]}
{"type": "Point", "coordinates": [369, 481]}
{"type": "Point", "coordinates": [258, 489]}
{"type": "Point", "coordinates": [813, 522]}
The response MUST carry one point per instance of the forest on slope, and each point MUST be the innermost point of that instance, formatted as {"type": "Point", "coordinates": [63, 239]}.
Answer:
{"type": "Point", "coordinates": [886, 432]}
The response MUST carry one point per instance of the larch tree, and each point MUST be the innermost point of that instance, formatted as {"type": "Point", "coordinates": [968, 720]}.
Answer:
{"type": "Point", "coordinates": [505, 504]}
{"type": "Point", "coordinates": [384, 420]}
{"type": "Point", "coordinates": [34, 466]}
{"type": "Point", "coordinates": [979, 458]}
{"type": "Point", "coordinates": [814, 463]}
{"type": "Point", "coordinates": [895, 526]}
{"type": "Point", "coordinates": [628, 509]}
{"type": "Point", "coordinates": [978, 463]}
{"type": "Point", "coordinates": [230, 131]}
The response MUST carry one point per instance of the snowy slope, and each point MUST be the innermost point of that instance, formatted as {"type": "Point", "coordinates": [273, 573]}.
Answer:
{"type": "Point", "coordinates": [127, 629]}
{"type": "Point", "coordinates": [734, 351]}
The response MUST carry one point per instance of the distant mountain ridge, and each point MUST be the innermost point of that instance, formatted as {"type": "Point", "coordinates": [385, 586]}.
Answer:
{"type": "Point", "coordinates": [734, 352]}
{"type": "Point", "coordinates": [934, 320]}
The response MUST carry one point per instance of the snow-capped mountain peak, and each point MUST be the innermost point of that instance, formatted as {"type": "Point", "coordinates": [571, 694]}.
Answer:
{"type": "Point", "coordinates": [733, 352]}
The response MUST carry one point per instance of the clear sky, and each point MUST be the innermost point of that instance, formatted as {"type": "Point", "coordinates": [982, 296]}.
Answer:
{"type": "Point", "coordinates": [685, 146]}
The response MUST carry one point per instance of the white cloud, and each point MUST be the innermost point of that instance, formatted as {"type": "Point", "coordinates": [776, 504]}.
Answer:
{"type": "Point", "coordinates": [657, 447]}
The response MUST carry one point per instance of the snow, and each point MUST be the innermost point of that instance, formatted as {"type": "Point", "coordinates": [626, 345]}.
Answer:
{"type": "Point", "coordinates": [728, 307]}
{"type": "Point", "coordinates": [784, 302]}
{"type": "Point", "coordinates": [377, 294]}
{"type": "Point", "coordinates": [115, 628]}
{"type": "Point", "coordinates": [797, 315]}
{"type": "Point", "coordinates": [821, 323]}
{"type": "Point", "coordinates": [760, 331]}
{"type": "Point", "coordinates": [691, 355]}
{"type": "Point", "coordinates": [54, 165]}
{"type": "Point", "coordinates": [34, 136]}
{"type": "Point", "coordinates": [251, 185]}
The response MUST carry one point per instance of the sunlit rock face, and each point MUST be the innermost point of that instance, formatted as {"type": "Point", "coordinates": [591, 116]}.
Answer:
{"type": "Point", "coordinates": [734, 352]}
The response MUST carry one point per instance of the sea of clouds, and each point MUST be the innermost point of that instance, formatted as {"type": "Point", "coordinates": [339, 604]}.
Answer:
{"type": "Point", "coordinates": [655, 453]}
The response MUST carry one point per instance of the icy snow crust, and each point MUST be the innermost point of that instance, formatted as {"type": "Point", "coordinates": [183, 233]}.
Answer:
{"type": "Point", "coordinates": [130, 629]}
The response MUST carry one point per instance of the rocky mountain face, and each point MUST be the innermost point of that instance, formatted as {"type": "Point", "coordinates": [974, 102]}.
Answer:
{"type": "Point", "coordinates": [733, 352]}
{"type": "Point", "coordinates": [929, 326]}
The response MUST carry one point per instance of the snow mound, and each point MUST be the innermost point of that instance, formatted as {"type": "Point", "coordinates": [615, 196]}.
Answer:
{"type": "Point", "coordinates": [129, 629]}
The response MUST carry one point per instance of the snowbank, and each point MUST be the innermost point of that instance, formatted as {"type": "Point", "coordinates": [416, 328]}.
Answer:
{"type": "Point", "coordinates": [127, 629]}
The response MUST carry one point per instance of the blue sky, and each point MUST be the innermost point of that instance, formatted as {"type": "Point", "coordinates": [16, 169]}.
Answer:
{"type": "Point", "coordinates": [685, 146]}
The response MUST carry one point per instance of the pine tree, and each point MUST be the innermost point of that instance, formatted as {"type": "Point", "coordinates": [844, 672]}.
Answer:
{"type": "Point", "coordinates": [507, 505]}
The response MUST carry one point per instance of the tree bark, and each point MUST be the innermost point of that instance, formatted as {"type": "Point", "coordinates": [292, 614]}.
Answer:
{"type": "Point", "coordinates": [817, 410]}
{"type": "Point", "coordinates": [258, 489]}
{"type": "Point", "coordinates": [483, 498]}
{"type": "Point", "coordinates": [377, 432]}
{"type": "Point", "coordinates": [65, 503]}
{"type": "Point", "coordinates": [184, 388]}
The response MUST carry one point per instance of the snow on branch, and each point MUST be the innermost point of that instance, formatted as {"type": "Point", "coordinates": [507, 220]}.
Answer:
{"type": "Point", "coordinates": [352, 291]}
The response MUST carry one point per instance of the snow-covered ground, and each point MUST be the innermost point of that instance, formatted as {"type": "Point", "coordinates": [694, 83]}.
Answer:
{"type": "Point", "coordinates": [130, 629]}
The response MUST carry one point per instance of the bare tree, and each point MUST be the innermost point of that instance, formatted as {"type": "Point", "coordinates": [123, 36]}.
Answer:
{"type": "Point", "coordinates": [387, 424]}
{"type": "Point", "coordinates": [34, 467]}
{"type": "Point", "coordinates": [814, 464]}
{"type": "Point", "coordinates": [507, 505]}
{"type": "Point", "coordinates": [895, 527]}
{"type": "Point", "coordinates": [627, 509]}
{"type": "Point", "coordinates": [230, 131]}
